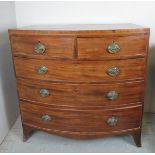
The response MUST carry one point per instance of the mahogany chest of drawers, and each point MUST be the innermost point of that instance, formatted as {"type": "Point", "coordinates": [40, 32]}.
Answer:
{"type": "Point", "coordinates": [81, 81]}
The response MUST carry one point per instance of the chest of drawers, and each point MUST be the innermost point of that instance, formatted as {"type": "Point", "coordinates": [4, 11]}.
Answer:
{"type": "Point", "coordinates": [81, 81]}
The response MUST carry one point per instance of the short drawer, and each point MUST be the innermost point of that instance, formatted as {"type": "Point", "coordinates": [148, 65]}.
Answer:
{"type": "Point", "coordinates": [112, 47]}
{"type": "Point", "coordinates": [43, 46]}
{"type": "Point", "coordinates": [109, 120]}
{"type": "Point", "coordinates": [80, 95]}
{"type": "Point", "coordinates": [80, 71]}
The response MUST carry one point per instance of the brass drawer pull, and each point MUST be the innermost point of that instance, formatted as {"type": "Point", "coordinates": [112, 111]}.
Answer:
{"type": "Point", "coordinates": [113, 71]}
{"type": "Point", "coordinates": [112, 121]}
{"type": "Point", "coordinates": [39, 48]}
{"type": "Point", "coordinates": [46, 118]}
{"type": "Point", "coordinates": [42, 69]}
{"type": "Point", "coordinates": [112, 95]}
{"type": "Point", "coordinates": [44, 92]}
{"type": "Point", "coordinates": [113, 48]}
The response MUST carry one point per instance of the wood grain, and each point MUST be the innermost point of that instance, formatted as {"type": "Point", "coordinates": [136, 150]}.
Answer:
{"type": "Point", "coordinates": [55, 47]}
{"type": "Point", "coordinates": [73, 121]}
{"type": "Point", "coordinates": [96, 48]}
{"type": "Point", "coordinates": [80, 71]}
{"type": "Point", "coordinates": [83, 135]}
{"type": "Point", "coordinates": [77, 61]}
{"type": "Point", "coordinates": [82, 30]}
{"type": "Point", "coordinates": [80, 95]}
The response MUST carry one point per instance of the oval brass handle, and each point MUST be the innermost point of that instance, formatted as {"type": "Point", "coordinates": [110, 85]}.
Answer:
{"type": "Point", "coordinates": [112, 95]}
{"type": "Point", "coordinates": [112, 121]}
{"type": "Point", "coordinates": [113, 48]}
{"type": "Point", "coordinates": [113, 71]}
{"type": "Point", "coordinates": [42, 69]}
{"type": "Point", "coordinates": [46, 118]}
{"type": "Point", "coordinates": [39, 48]}
{"type": "Point", "coordinates": [44, 92]}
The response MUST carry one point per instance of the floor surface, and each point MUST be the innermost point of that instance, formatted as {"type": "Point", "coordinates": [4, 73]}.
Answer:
{"type": "Point", "coordinates": [43, 142]}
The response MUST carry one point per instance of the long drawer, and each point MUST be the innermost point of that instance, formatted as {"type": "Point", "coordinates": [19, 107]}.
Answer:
{"type": "Point", "coordinates": [80, 95]}
{"type": "Point", "coordinates": [43, 46]}
{"type": "Point", "coordinates": [80, 71]}
{"type": "Point", "coordinates": [109, 120]}
{"type": "Point", "coordinates": [112, 47]}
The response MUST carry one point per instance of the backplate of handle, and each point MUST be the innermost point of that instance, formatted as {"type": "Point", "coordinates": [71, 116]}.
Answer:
{"type": "Point", "coordinates": [44, 92]}
{"type": "Point", "coordinates": [39, 48]}
{"type": "Point", "coordinates": [112, 121]}
{"type": "Point", "coordinates": [113, 48]}
{"type": "Point", "coordinates": [113, 71]}
{"type": "Point", "coordinates": [112, 95]}
{"type": "Point", "coordinates": [46, 118]}
{"type": "Point", "coordinates": [42, 69]}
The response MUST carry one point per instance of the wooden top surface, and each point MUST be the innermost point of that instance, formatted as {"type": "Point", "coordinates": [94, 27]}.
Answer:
{"type": "Point", "coordinates": [80, 29]}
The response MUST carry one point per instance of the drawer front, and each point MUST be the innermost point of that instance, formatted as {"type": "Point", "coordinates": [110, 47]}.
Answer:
{"type": "Point", "coordinates": [80, 71]}
{"type": "Point", "coordinates": [80, 95]}
{"type": "Point", "coordinates": [81, 121]}
{"type": "Point", "coordinates": [43, 46]}
{"type": "Point", "coordinates": [112, 47]}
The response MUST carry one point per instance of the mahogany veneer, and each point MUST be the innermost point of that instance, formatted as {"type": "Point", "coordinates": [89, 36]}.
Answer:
{"type": "Point", "coordinates": [81, 81]}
